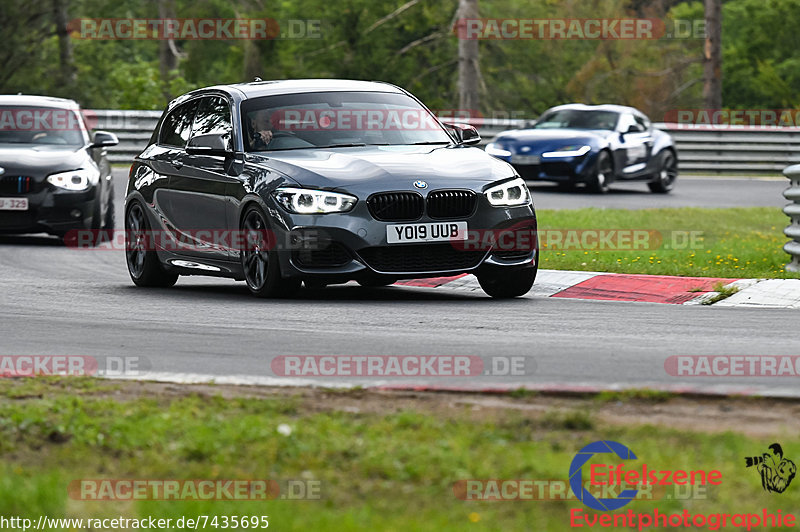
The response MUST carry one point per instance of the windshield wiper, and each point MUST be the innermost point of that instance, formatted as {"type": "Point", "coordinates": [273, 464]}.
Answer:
{"type": "Point", "coordinates": [343, 145]}
{"type": "Point", "coordinates": [429, 142]}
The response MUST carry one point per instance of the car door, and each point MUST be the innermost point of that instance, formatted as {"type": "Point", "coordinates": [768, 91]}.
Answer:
{"type": "Point", "coordinates": [167, 160]}
{"type": "Point", "coordinates": [636, 143]}
{"type": "Point", "coordinates": [198, 189]}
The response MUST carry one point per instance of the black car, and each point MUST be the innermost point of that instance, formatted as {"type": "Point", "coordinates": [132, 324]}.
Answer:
{"type": "Point", "coordinates": [54, 175]}
{"type": "Point", "coordinates": [323, 181]}
{"type": "Point", "coordinates": [591, 144]}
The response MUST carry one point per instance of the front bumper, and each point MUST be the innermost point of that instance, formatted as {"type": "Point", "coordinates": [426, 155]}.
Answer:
{"type": "Point", "coordinates": [561, 169]}
{"type": "Point", "coordinates": [353, 245]}
{"type": "Point", "coordinates": [50, 211]}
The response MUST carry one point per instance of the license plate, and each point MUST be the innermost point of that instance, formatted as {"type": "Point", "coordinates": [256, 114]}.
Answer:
{"type": "Point", "coordinates": [525, 159]}
{"type": "Point", "coordinates": [427, 232]}
{"type": "Point", "coordinates": [13, 204]}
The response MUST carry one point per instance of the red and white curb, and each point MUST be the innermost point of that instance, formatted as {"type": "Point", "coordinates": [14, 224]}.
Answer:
{"type": "Point", "coordinates": [769, 293]}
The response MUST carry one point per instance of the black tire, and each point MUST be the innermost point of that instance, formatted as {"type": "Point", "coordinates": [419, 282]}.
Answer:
{"type": "Point", "coordinates": [103, 226]}
{"type": "Point", "coordinates": [502, 283]}
{"type": "Point", "coordinates": [262, 272]}
{"type": "Point", "coordinates": [602, 174]}
{"type": "Point", "coordinates": [109, 224]}
{"type": "Point", "coordinates": [664, 180]}
{"type": "Point", "coordinates": [143, 264]}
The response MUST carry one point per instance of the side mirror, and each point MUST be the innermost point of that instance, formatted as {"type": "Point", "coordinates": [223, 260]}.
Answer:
{"type": "Point", "coordinates": [104, 138]}
{"type": "Point", "coordinates": [465, 134]}
{"type": "Point", "coordinates": [211, 144]}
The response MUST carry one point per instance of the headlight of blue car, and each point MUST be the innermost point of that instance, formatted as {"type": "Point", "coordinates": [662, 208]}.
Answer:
{"type": "Point", "coordinates": [495, 150]}
{"type": "Point", "coordinates": [568, 151]}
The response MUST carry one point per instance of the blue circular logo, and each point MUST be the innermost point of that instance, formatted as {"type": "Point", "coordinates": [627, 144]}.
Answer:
{"type": "Point", "coordinates": [576, 476]}
{"type": "Point", "coordinates": [420, 184]}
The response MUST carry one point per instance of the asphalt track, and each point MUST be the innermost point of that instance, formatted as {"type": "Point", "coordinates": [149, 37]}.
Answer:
{"type": "Point", "coordinates": [60, 301]}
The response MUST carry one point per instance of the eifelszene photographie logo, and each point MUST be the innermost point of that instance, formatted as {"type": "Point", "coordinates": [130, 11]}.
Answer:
{"type": "Point", "coordinates": [776, 471]}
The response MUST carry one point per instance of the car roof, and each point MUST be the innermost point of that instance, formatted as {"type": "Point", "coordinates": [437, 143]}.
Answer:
{"type": "Point", "coordinates": [256, 89]}
{"type": "Point", "coordinates": [38, 101]}
{"type": "Point", "coordinates": [602, 107]}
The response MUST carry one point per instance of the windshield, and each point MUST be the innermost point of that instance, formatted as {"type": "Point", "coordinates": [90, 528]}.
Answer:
{"type": "Point", "coordinates": [337, 119]}
{"type": "Point", "coordinates": [40, 125]}
{"type": "Point", "coordinates": [578, 119]}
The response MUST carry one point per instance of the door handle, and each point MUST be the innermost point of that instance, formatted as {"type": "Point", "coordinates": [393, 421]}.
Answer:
{"type": "Point", "coordinates": [177, 164]}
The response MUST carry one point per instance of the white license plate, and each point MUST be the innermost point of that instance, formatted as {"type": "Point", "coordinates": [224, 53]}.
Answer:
{"type": "Point", "coordinates": [525, 159]}
{"type": "Point", "coordinates": [13, 204]}
{"type": "Point", "coordinates": [427, 232]}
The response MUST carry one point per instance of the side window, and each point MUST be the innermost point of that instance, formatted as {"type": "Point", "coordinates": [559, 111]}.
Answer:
{"type": "Point", "coordinates": [213, 117]}
{"type": "Point", "coordinates": [625, 123]}
{"type": "Point", "coordinates": [176, 127]}
{"type": "Point", "coordinates": [643, 122]}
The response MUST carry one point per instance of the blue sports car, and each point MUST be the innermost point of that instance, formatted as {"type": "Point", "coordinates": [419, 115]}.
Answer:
{"type": "Point", "coordinates": [591, 144]}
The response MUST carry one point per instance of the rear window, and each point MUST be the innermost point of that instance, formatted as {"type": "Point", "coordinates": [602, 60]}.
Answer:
{"type": "Point", "coordinates": [213, 117]}
{"type": "Point", "coordinates": [177, 125]}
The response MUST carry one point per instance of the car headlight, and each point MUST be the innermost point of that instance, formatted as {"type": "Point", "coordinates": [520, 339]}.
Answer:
{"type": "Point", "coordinates": [495, 150]}
{"type": "Point", "coordinates": [305, 201]}
{"type": "Point", "coordinates": [509, 194]}
{"type": "Point", "coordinates": [75, 180]}
{"type": "Point", "coordinates": [569, 151]}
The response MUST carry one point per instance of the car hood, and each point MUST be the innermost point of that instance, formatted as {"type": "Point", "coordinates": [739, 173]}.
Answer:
{"type": "Point", "coordinates": [40, 161]}
{"type": "Point", "coordinates": [364, 170]}
{"type": "Point", "coordinates": [541, 140]}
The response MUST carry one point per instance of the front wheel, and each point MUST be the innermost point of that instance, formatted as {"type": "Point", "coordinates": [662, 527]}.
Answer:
{"type": "Point", "coordinates": [667, 174]}
{"type": "Point", "coordinates": [601, 175]}
{"type": "Point", "coordinates": [260, 258]}
{"type": "Point", "coordinates": [502, 283]}
{"type": "Point", "coordinates": [143, 263]}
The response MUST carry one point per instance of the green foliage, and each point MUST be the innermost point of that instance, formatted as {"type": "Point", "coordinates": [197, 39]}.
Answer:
{"type": "Point", "coordinates": [412, 44]}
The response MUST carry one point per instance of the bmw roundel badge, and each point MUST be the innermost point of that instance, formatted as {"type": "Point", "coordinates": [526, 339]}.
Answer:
{"type": "Point", "coordinates": [420, 184]}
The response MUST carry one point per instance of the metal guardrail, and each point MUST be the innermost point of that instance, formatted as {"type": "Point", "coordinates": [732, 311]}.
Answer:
{"type": "Point", "coordinates": [133, 128]}
{"type": "Point", "coordinates": [793, 212]}
{"type": "Point", "coordinates": [701, 150]}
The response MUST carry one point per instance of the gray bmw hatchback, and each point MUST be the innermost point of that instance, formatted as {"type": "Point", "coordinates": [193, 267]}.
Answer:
{"type": "Point", "coordinates": [279, 183]}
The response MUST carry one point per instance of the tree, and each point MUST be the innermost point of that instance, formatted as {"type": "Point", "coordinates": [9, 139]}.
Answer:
{"type": "Point", "coordinates": [469, 72]}
{"type": "Point", "coordinates": [67, 71]}
{"type": "Point", "coordinates": [712, 56]}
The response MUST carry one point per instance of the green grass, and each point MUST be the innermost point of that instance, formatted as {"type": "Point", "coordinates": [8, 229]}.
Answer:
{"type": "Point", "coordinates": [730, 243]}
{"type": "Point", "coordinates": [722, 292]}
{"type": "Point", "coordinates": [640, 394]}
{"type": "Point", "coordinates": [379, 470]}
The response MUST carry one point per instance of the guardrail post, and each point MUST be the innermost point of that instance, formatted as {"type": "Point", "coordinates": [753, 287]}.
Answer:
{"type": "Point", "coordinates": [793, 211]}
